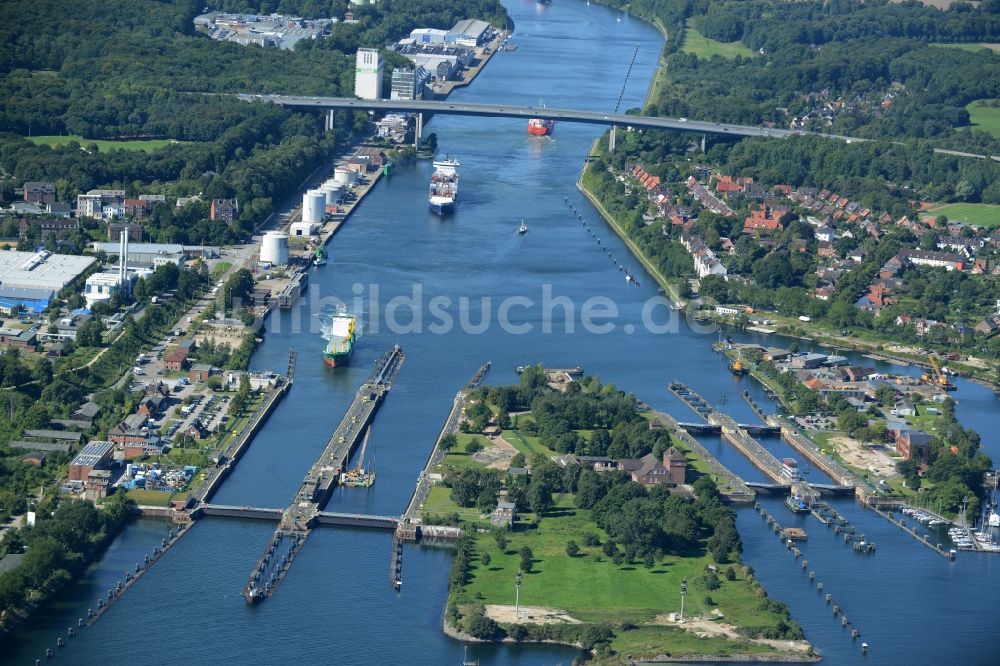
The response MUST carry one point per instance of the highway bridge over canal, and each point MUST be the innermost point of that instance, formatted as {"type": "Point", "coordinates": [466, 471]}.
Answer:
{"type": "Point", "coordinates": [457, 108]}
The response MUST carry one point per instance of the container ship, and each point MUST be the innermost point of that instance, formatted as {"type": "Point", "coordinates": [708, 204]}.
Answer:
{"type": "Point", "coordinates": [341, 345]}
{"type": "Point", "coordinates": [444, 186]}
{"type": "Point", "coordinates": [540, 126]}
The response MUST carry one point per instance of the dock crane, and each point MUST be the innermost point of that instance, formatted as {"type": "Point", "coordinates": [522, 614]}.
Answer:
{"type": "Point", "coordinates": [937, 379]}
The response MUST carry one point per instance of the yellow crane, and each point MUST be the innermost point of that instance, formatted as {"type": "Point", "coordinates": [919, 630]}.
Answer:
{"type": "Point", "coordinates": [938, 379]}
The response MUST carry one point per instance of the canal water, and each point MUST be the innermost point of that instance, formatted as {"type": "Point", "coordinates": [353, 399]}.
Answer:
{"type": "Point", "coordinates": [545, 292]}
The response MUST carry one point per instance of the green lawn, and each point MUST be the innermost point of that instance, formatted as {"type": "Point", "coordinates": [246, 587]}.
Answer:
{"type": "Point", "coordinates": [969, 46]}
{"type": "Point", "coordinates": [703, 47]}
{"type": "Point", "coordinates": [148, 497]}
{"type": "Point", "coordinates": [439, 502]}
{"type": "Point", "coordinates": [984, 116]}
{"type": "Point", "coordinates": [986, 215]}
{"type": "Point", "coordinates": [460, 456]}
{"type": "Point", "coordinates": [103, 145]}
{"type": "Point", "coordinates": [527, 445]}
{"type": "Point", "coordinates": [591, 588]}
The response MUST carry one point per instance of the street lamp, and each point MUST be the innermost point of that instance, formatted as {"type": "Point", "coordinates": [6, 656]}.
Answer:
{"type": "Point", "coordinates": [517, 596]}
{"type": "Point", "coordinates": [684, 589]}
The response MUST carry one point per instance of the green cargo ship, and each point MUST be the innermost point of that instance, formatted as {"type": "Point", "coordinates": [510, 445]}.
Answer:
{"type": "Point", "coordinates": [341, 345]}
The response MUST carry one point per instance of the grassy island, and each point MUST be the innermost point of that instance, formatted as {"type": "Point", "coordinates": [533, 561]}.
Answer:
{"type": "Point", "coordinates": [601, 559]}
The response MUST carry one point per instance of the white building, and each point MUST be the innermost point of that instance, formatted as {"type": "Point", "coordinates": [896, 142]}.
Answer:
{"type": "Point", "coordinates": [303, 229]}
{"type": "Point", "coordinates": [368, 74]}
{"type": "Point", "coordinates": [470, 32]}
{"type": "Point", "coordinates": [428, 36]}
{"type": "Point", "coordinates": [89, 205]}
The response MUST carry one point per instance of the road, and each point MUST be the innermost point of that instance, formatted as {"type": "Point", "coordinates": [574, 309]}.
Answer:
{"type": "Point", "coordinates": [565, 115]}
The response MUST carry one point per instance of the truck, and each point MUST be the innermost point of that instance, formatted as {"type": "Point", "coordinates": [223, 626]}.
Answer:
{"type": "Point", "coordinates": [804, 318]}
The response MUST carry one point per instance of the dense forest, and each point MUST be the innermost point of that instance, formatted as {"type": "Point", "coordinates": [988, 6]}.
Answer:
{"type": "Point", "coordinates": [67, 534]}
{"type": "Point", "coordinates": [136, 69]}
{"type": "Point", "coordinates": [854, 55]}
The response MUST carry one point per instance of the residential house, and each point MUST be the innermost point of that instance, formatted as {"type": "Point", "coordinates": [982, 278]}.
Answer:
{"type": "Point", "coordinates": [200, 372]}
{"type": "Point", "coordinates": [649, 470]}
{"type": "Point", "coordinates": [152, 405]}
{"type": "Point", "coordinates": [767, 219]}
{"type": "Point", "coordinates": [224, 210]}
{"type": "Point", "coordinates": [912, 443]}
{"type": "Point", "coordinates": [947, 260]}
{"type": "Point", "coordinates": [136, 209]}
{"type": "Point", "coordinates": [175, 360]}
{"type": "Point", "coordinates": [116, 229]}
{"type": "Point", "coordinates": [826, 234]}
{"type": "Point", "coordinates": [875, 299]}
{"type": "Point", "coordinates": [826, 249]}
{"type": "Point", "coordinates": [504, 515]}
{"type": "Point", "coordinates": [988, 326]}
{"type": "Point", "coordinates": [39, 192]}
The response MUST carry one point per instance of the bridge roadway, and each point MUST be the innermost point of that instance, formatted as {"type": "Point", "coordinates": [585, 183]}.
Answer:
{"type": "Point", "coordinates": [299, 518]}
{"type": "Point", "coordinates": [526, 112]}
{"type": "Point", "coordinates": [565, 115]}
{"type": "Point", "coordinates": [321, 517]}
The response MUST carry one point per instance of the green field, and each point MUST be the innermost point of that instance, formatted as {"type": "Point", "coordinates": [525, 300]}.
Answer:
{"type": "Point", "coordinates": [984, 215]}
{"type": "Point", "coordinates": [102, 145]}
{"type": "Point", "coordinates": [986, 118]}
{"type": "Point", "coordinates": [703, 47]}
{"type": "Point", "coordinates": [591, 588]}
{"type": "Point", "coordinates": [969, 46]}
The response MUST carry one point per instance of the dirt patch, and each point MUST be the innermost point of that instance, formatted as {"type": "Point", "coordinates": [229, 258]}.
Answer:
{"type": "Point", "coordinates": [529, 615]}
{"type": "Point", "coordinates": [494, 457]}
{"type": "Point", "coordinates": [861, 456]}
{"type": "Point", "coordinates": [705, 628]}
{"type": "Point", "coordinates": [504, 444]}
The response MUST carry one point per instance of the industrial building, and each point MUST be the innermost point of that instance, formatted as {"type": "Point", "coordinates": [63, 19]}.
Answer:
{"type": "Point", "coordinates": [408, 84]}
{"type": "Point", "coordinates": [100, 287]}
{"type": "Point", "coordinates": [32, 279]}
{"type": "Point", "coordinates": [429, 36]}
{"type": "Point", "coordinates": [155, 254]}
{"type": "Point", "coordinates": [470, 32]}
{"type": "Point", "coordinates": [94, 455]}
{"type": "Point", "coordinates": [368, 74]}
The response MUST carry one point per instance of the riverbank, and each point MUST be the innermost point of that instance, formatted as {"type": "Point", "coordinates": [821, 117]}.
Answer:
{"type": "Point", "coordinates": [670, 288]}
{"type": "Point", "coordinates": [879, 348]}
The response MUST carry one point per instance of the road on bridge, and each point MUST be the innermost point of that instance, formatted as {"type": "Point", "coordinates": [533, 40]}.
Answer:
{"type": "Point", "coordinates": [567, 115]}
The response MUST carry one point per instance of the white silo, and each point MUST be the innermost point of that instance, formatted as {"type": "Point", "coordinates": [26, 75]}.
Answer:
{"type": "Point", "coordinates": [344, 176]}
{"type": "Point", "coordinates": [332, 191]}
{"type": "Point", "coordinates": [314, 206]}
{"type": "Point", "coordinates": [274, 248]}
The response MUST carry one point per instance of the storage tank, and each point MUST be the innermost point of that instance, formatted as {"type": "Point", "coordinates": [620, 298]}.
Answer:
{"type": "Point", "coordinates": [313, 206]}
{"type": "Point", "coordinates": [332, 192]}
{"type": "Point", "coordinates": [274, 248]}
{"type": "Point", "coordinates": [344, 176]}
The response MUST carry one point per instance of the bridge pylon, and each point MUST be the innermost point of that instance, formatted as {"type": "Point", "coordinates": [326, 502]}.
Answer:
{"type": "Point", "coordinates": [611, 140]}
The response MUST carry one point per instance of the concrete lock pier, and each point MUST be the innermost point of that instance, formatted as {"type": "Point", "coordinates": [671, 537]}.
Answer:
{"type": "Point", "coordinates": [298, 520]}
{"type": "Point", "coordinates": [739, 436]}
